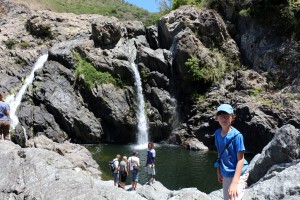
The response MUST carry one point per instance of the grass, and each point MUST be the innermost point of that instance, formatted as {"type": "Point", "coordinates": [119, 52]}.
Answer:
{"type": "Point", "coordinates": [90, 74]}
{"type": "Point", "coordinates": [245, 12]}
{"type": "Point", "coordinates": [118, 8]}
{"type": "Point", "coordinates": [256, 91]}
{"type": "Point", "coordinates": [10, 43]}
{"type": "Point", "coordinates": [204, 72]}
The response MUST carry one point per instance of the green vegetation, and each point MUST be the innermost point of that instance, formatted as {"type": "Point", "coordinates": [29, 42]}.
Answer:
{"type": "Point", "coordinates": [24, 45]}
{"type": "Point", "coordinates": [38, 28]}
{"type": "Point", "coordinates": [198, 98]}
{"type": "Point", "coordinates": [10, 43]}
{"type": "Point", "coordinates": [177, 3]}
{"type": "Point", "coordinates": [290, 18]}
{"type": "Point", "coordinates": [284, 15]}
{"type": "Point", "coordinates": [256, 91]}
{"type": "Point", "coordinates": [168, 5]}
{"type": "Point", "coordinates": [90, 74]}
{"type": "Point", "coordinates": [144, 74]}
{"type": "Point", "coordinates": [206, 73]}
{"type": "Point", "coordinates": [118, 8]}
{"type": "Point", "coordinates": [245, 12]}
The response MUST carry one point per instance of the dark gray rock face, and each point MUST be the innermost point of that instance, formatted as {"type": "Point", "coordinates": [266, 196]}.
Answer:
{"type": "Point", "coordinates": [114, 106]}
{"type": "Point", "coordinates": [152, 37]}
{"type": "Point", "coordinates": [53, 92]}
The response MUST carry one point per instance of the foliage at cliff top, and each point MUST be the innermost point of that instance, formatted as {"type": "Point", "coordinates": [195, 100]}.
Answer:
{"type": "Point", "coordinates": [118, 8]}
{"type": "Point", "coordinates": [284, 15]}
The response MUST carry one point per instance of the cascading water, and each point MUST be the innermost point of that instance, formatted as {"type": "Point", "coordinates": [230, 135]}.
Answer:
{"type": "Point", "coordinates": [175, 118]}
{"type": "Point", "coordinates": [142, 135]}
{"type": "Point", "coordinates": [14, 100]}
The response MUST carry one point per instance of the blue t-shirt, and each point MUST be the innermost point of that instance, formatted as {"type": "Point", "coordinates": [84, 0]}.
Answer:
{"type": "Point", "coordinates": [3, 108]}
{"type": "Point", "coordinates": [151, 156]}
{"type": "Point", "coordinates": [229, 159]}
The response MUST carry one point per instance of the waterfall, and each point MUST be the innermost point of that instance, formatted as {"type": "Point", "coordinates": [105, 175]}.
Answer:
{"type": "Point", "coordinates": [175, 118]}
{"type": "Point", "coordinates": [142, 135]}
{"type": "Point", "coordinates": [14, 100]}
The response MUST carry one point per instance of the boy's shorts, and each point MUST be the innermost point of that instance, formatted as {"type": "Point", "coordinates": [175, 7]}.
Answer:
{"type": "Point", "coordinates": [134, 175]}
{"type": "Point", "coordinates": [116, 177]}
{"type": "Point", "coordinates": [4, 129]}
{"type": "Point", "coordinates": [151, 170]}
{"type": "Point", "coordinates": [241, 186]}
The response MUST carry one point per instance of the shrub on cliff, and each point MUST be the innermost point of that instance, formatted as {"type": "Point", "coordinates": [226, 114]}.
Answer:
{"type": "Point", "coordinates": [203, 72]}
{"type": "Point", "coordinates": [283, 15]}
{"type": "Point", "coordinates": [10, 43]}
{"type": "Point", "coordinates": [37, 27]}
{"type": "Point", "coordinates": [90, 74]}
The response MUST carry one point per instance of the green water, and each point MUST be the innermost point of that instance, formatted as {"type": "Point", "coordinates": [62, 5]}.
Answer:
{"type": "Point", "coordinates": [176, 167]}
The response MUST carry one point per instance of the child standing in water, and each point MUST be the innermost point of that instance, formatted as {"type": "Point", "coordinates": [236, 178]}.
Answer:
{"type": "Point", "coordinates": [232, 167]}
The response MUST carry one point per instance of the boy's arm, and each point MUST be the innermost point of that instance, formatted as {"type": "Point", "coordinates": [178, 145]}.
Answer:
{"type": "Point", "coordinates": [220, 177]}
{"type": "Point", "coordinates": [146, 161]}
{"type": "Point", "coordinates": [7, 112]}
{"type": "Point", "coordinates": [233, 188]}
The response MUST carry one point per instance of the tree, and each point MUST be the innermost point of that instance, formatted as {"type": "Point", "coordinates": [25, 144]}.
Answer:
{"type": "Point", "coordinates": [164, 5]}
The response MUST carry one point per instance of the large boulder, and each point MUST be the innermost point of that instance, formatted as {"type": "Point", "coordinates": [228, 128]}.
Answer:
{"type": "Point", "coordinates": [34, 173]}
{"type": "Point", "coordinates": [75, 153]}
{"type": "Point", "coordinates": [284, 148]}
{"type": "Point", "coordinates": [106, 32]}
{"type": "Point", "coordinates": [285, 182]}
{"type": "Point", "coordinates": [134, 28]}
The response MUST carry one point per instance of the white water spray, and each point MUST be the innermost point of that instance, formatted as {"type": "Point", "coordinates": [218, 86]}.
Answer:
{"type": "Point", "coordinates": [14, 100]}
{"type": "Point", "coordinates": [142, 135]}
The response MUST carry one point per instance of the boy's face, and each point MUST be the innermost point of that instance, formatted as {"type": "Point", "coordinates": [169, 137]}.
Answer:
{"type": "Point", "coordinates": [150, 146]}
{"type": "Point", "coordinates": [224, 119]}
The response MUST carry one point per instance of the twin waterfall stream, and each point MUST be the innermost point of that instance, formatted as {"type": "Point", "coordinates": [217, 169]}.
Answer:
{"type": "Point", "coordinates": [142, 134]}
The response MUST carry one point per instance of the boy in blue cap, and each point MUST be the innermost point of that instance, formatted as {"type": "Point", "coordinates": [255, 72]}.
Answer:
{"type": "Point", "coordinates": [231, 167]}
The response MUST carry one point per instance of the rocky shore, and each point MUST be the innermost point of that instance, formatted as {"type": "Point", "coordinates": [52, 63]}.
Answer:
{"type": "Point", "coordinates": [48, 170]}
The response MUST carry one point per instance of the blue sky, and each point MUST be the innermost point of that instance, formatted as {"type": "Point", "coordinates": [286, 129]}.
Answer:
{"type": "Point", "coordinates": [149, 5]}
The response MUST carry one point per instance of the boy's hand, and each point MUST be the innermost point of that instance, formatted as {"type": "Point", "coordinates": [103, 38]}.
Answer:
{"type": "Point", "coordinates": [233, 190]}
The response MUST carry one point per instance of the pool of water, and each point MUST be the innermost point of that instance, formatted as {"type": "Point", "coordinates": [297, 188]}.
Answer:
{"type": "Point", "coordinates": [176, 167]}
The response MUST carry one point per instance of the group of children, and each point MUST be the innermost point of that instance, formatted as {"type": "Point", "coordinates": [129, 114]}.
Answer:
{"type": "Point", "coordinates": [231, 165]}
{"type": "Point", "coordinates": [131, 167]}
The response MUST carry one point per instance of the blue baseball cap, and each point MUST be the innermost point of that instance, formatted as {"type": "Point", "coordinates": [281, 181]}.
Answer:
{"type": "Point", "coordinates": [225, 108]}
